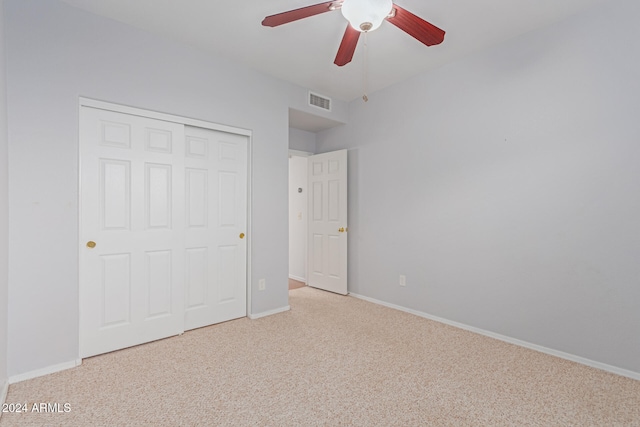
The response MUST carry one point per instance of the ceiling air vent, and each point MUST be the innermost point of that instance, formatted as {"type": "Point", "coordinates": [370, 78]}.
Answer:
{"type": "Point", "coordinates": [319, 101]}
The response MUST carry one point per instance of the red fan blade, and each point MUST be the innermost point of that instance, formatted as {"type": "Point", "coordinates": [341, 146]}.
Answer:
{"type": "Point", "coordinates": [347, 46]}
{"type": "Point", "coordinates": [294, 15]}
{"type": "Point", "coordinates": [416, 27]}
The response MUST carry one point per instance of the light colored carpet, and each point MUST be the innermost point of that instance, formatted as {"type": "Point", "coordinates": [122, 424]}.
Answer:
{"type": "Point", "coordinates": [330, 361]}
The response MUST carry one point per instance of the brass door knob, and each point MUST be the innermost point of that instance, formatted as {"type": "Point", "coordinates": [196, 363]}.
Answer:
{"type": "Point", "coordinates": [91, 244]}
{"type": "Point", "coordinates": [242, 235]}
{"type": "Point", "coordinates": [341, 229]}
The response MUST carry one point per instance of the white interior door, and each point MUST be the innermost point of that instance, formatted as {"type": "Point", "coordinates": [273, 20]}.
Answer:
{"type": "Point", "coordinates": [132, 228]}
{"type": "Point", "coordinates": [327, 250]}
{"type": "Point", "coordinates": [216, 224]}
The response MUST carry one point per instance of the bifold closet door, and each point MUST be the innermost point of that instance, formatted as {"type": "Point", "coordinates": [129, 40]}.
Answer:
{"type": "Point", "coordinates": [131, 230]}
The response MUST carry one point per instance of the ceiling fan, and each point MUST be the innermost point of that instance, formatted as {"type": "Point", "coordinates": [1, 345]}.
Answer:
{"type": "Point", "coordinates": [363, 16]}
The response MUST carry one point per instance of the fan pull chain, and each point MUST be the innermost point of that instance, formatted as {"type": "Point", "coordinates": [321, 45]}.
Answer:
{"type": "Point", "coordinates": [365, 69]}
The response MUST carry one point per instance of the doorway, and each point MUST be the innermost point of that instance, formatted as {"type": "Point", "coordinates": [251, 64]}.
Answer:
{"type": "Point", "coordinates": [318, 220]}
{"type": "Point", "coordinates": [298, 218]}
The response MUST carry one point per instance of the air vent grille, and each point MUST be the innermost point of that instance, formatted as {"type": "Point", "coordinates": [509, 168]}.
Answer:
{"type": "Point", "coordinates": [319, 101]}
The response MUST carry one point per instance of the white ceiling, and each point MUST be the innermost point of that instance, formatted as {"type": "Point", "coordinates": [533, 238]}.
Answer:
{"type": "Point", "coordinates": [302, 52]}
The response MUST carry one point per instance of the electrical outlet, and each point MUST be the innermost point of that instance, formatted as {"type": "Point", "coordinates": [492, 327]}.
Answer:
{"type": "Point", "coordinates": [262, 284]}
{"type": "Point", "coordinates": [403, 280]}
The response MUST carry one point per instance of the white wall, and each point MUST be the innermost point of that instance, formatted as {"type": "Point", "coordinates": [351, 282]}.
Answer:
{"type": "Point", "coordinates": [4, 207]}
{"type": "Point", "coordinates": [505, 187]}
{"type": "Point", "coordinates": [302, 140]}
{"type": "Point", "coordinates": [298, 218]}
{"type": "Point", "coordinates": [55, 54]}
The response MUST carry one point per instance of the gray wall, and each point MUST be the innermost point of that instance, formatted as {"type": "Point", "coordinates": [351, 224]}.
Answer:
{"type": "Point", "coordinates": [302, 140]}
{"type": "Point", "coordinates": [4, 207]}
{"type": "Point", "coordinates": [55, 54]}
{"type": "Point", "coordinates": [505, 187]}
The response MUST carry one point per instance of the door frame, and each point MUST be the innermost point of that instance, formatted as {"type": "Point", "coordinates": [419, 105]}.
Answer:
{"type": "Point", "coordinates": [119, 108]}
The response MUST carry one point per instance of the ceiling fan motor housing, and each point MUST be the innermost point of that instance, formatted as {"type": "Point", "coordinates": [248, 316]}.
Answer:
{"type": "Point", "coordinates": [366, 15]}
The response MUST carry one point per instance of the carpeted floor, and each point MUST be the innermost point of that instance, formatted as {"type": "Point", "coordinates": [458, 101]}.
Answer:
{"type": "Point", "coordinates": [330, 361]}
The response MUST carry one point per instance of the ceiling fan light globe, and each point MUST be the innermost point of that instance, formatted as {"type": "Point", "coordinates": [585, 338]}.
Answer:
{"type": "Point", "coordinates": [366, 15]}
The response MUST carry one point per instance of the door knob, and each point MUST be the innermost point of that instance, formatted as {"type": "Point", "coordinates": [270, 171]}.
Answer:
{"type": "Point", "coordinates": [341, 229]}
{"type": "Point", "coordinates": [242, 235]}
{"type": "Point", "coordinates": [91, 244]}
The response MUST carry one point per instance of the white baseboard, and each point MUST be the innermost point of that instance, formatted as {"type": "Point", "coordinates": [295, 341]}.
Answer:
{"type": "Point", "coordinates": [299, 279]}
{"type": "Point", "coordinates": [44, 371]}
{"type": "Point", "coordinates": [269, 313]}
{"type": "Point", "coordinates": [525, 344]}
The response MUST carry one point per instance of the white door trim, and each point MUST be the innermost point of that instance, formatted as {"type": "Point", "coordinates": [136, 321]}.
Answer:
{"type": "Point", "coordinates": [119, 108]}
{"type": "Point", "coordinates": [299, 153]}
